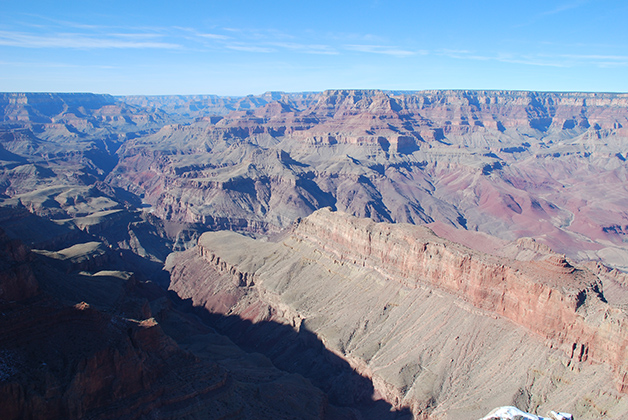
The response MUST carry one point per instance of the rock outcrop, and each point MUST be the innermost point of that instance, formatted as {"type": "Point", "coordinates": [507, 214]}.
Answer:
{"type": "Point", "coordinates": [434, 324]}
{"type": "Point", "coordinates": [212, 107]}
{"type": "Point", "coordinates": [550, 297]}
{"type": "Point", "coordinates": [510, 164]}
{"type": "Point", "coordinates": [343, 318]}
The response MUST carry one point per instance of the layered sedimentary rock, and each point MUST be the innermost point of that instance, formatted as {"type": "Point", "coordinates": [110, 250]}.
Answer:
{"type": "Point", "coordinates": [78, 112]}
{"type": "Point", "coordinates": [102, 186]}
{"type": "Point", "coordinates": [549, 297]}
{"type": "Point", "coordinates": [55, 139]}
{"type": "Point", "coordinates": [444, 330]}
{"type": "Point", "coordinates": [510, 164]}
{"type": "Point", "coordinates": [191, 107]}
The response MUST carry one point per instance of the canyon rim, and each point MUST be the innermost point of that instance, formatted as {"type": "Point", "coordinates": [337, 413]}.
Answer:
{"type": "Point", "coordinates": [347, 254]}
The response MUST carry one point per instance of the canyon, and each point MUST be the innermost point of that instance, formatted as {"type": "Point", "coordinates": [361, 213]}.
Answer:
{"type": "Point", "coordinates": [344, 254]}
{"type": "Point", "coordinates": [510, 164]}
{"type": "Point", "coordinates": [417, 313]}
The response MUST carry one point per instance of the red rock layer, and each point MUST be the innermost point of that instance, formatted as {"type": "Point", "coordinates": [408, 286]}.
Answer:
{"type": "Point", "coordinates": [551, 298]}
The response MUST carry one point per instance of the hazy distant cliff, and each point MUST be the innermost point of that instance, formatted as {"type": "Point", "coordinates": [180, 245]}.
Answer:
{"type": "Point", "coordinates": [511, 164]}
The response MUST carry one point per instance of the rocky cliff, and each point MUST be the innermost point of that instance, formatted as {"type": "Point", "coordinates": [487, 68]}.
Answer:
{"type": "Point", "coordinates": [510, 164]}
{"type": "Point", "coordinates": [550, 297]}
{"type": "Point", "coordinates": [439, 328]}
{"type": "Point", "coordinates": [57, 139]}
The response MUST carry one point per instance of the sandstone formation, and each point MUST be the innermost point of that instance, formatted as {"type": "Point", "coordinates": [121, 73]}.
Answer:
{"type": "Point", "coordinates": [438, 327]}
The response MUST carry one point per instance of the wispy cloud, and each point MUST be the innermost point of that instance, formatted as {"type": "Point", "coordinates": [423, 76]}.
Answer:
{"type": "Point", "coordinates": [192, 33]}
{"type": "Point", "coordinates": [55, 65]}
{"type": "Point", "coordinates": [535, 18]}
{"type": "Point", "coordinates": [71, 35]}
{"type": "Point", "coordinates": [596, 57]}
{"type": "Point", "coordinates": [529, 60]}
{"type": "Point", "coordinates": [306, 48]}
{"type": "Point", "coordinates": [464, 54]}
{"type": "Point", "coordinates": [253, 41]}
{"type": "Point", "coordinates": [59, 23]}
{"type": "Point", "coordinates": [383, 49]}
{"type": "Point", "coordinates": [134, 35]}
{"type": "Point", "coordinates": [80, 41]}
{"type": "Point", "coordinates": [57, 33]}
{"type": "Point", "coordinates": [213, 36]}
{"type": "Point", "coordinates": [261, 35]}
{"type": "Point", "coordinates": [599, 60]}
{"type": "Point", "coordinates": [564, 7]}
{"type": "Point", "coordinates": [542, 60]}
{"type": "Point", "coordinates": [256, 42]}
{"type": "Point", "coordinates": [250, 48]}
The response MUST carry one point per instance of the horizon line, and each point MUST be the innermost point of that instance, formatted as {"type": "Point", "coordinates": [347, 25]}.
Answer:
{"type": "Point", "coordinates": [387, 91]}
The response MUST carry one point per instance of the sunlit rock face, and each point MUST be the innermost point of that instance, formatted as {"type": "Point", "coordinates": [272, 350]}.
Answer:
{"type": "Point", "coordinates": [440, 328]}
{"type": "Point", "coordinates": [550, 166]}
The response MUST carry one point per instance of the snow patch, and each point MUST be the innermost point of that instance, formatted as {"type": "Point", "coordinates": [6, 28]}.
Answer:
{"type": "Point", "coordinates": [513, 413]}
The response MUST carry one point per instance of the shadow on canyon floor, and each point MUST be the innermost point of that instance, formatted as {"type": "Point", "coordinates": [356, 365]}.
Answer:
{"type": "Point", "coordinates": [303, 353]}
{"type": "Point", "coordinates": [298, 352]}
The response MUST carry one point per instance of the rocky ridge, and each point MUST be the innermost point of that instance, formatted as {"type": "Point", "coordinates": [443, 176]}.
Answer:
{"type": "Point", "coordinates": [191, 107]}
{"type": "Point", "coordinates": [66, 139]}
{"type": "Point", "coordinates": [402, 305]}
{"type": "Point", "coordinates": [550, 297]}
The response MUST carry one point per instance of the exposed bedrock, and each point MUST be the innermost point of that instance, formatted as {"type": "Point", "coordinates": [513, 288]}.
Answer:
{"type": "Point", "coordinates": [439, 328]}
{"type": "Point", "coordinates": [550, 297]}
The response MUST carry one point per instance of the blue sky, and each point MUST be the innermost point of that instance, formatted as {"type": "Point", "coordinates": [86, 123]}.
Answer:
{"type": "Point", "coordinates": [236, 47]}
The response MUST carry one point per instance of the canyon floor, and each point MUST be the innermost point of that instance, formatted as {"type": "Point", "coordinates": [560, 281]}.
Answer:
{"type": "Point", "coordinates": [339, 255]}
